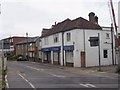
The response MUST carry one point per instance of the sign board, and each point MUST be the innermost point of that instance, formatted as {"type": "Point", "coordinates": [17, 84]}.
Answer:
{"type": "Point", "coordinates": [94, 41]}
{"type": "Point", "coordinates": [69, 47]}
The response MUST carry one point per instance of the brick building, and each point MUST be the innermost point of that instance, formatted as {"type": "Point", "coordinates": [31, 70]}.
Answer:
{"type": "Point", "coordinates": [9, 44]}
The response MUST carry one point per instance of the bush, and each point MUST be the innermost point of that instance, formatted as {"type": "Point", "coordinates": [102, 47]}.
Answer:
{"type": "Point", "coordinates": [12, 57]}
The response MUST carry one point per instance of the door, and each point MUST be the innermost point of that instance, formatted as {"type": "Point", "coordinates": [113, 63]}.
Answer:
{"type": "Point", "coordinates": [49, 57]}
{"type": "Point", "coordinates": [82, 59]}
{"type": "Point", "coordinates": [56, 57]}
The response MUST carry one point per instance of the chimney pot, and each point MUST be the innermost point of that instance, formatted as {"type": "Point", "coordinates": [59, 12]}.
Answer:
{"type": "Point", "coordinates": [96, 19]}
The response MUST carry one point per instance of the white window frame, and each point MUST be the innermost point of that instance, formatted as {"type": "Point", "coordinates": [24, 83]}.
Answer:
{"type": "Point", "coordinates": [22, 46]}
{"type": "Point", "coordinates": [68, 36]}
{"type": "Point", "coordinates": [46, 41]}
{"type": "Point", "coordinates": [107, 35]}
{"type": "Point", "coordinates": [56, 38]}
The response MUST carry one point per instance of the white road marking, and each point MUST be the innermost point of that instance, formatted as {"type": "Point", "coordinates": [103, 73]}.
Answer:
{"type": "Point", "coordinates": [91, 85]}
{"type": "Point", "coordinates": [46, 72]}
{"type": "Point", "coordinates": [56, 75]}
{"type": "Point", "coordinates": [7, 85]}
{"type": "Point", "coordinates": [34, 68]}
{"type": "Point", "coordinates": [88, 85]}
{"type": "Point", "coordinates": [27, 81]}
{"type": "Point", "coordinates": [84, 85]}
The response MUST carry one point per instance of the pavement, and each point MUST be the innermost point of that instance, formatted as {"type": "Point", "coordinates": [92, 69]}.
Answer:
{"type": "Point", "coordinates": [106, 71]}
{"type": "Point", "coordinates": [109, 70]}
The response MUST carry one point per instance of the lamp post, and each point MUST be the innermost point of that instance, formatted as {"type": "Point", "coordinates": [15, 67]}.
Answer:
{"type": "Point", "coordinates": [27, 45]}
{"type": "Point", "coordinates": [99, 52]}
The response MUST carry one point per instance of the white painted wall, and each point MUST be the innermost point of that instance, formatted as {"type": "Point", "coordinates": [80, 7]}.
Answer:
{"type": "Point", "coordinates": [77, 39]}
{"type": "Point", "coordinates": [51, 41]}
{"type": "Point", "coordinates": [91, 52]}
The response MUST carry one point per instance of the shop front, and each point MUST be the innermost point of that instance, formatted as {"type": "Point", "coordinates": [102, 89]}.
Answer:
{"type": "Point", "coordinates": [69, 55]}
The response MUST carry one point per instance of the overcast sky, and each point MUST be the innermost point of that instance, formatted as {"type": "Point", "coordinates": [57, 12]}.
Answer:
{"type": "Point", "coordinates": [21, 16]}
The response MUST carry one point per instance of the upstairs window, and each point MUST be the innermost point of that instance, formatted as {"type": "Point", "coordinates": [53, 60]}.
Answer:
{"type": "Point", "coordinates": [68, 35]}
{"type": "Point", "coordinates": [107, 36]}
{"type": "Point", "coordinates": [46, 41]}
{"type": "Point", "coordinates": [56, 38]}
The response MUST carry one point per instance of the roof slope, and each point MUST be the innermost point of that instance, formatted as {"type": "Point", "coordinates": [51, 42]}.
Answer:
{"type": "Point", "coordinates": [79, 23]}
{"type": "Point", "coordinates": [57, 28]}
{"type": "Point", "coordinates": [29, 40]}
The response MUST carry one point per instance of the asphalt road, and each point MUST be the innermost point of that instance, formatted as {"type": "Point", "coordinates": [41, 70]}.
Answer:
{"type": "Point", "coordinates": [37, 75]}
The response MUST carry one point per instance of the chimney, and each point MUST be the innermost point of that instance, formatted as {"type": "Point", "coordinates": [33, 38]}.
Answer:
{"type": "Point", "coordinates": [96, 20]}
{"type": "Point", "coordinates": [93, 18]}
{"type": "Point", "coordinates": [55, 23]}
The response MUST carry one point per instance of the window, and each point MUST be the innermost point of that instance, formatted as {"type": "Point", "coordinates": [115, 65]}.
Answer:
{"type": "Point", "coordinates": [105, 53]}
{"type": "Point", "coordinates": [30, 44]}
{"type": "Point", "coordinates": [18, 46]}
{"type": "Point", "coordinates": [11, 40]}
{"type": "Point", "coordinates": [68, 36]}
{"type": "Point", "coordinates": [107, 36]}
{"type": "Point", "coordinates": [22, 46]}
{"type": "Point", "coordinates": [46, 40]}
{"type": "Point", "coordinates": [56, 38]}
{"type": "Point", "coordinates": [26, 46]}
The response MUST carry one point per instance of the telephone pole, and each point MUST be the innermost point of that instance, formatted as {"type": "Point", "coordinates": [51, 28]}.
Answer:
{"type": "Point", "coordinates": [27, 46]}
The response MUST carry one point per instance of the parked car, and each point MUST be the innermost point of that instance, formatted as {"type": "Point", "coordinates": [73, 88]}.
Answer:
{"type": "Point", "coordinates": [22, 58]}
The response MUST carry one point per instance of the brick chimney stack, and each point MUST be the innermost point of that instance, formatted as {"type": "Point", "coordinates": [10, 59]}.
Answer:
{"type": "Point", "coordinates": [93, 18]}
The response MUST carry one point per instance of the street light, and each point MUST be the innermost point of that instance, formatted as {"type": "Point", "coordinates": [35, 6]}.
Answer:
{"type": "Point", "coordinates": [27, 44]}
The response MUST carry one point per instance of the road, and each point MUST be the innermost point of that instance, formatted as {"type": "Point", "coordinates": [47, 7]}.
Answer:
{"type": "Point", "coordinates": [24, 74]}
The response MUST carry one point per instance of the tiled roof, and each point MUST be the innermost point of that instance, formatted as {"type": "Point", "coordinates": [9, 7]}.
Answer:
{"type": "Point", "coordinates": [56, 28]}
{"type": "Point", "coordinates": [29, 40]}
{"type": "Point", "coordinates": [79, 23]}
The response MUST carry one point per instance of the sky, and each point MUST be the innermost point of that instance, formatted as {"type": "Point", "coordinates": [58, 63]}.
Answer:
{"type": "Point", "coordinates": [21, 16]}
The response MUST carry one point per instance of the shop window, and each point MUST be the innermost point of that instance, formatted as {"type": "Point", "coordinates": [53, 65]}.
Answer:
{"type": "Point", "coordinates": [22, 46]}
{"type": "Point", "coordinates": [69, 56]}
